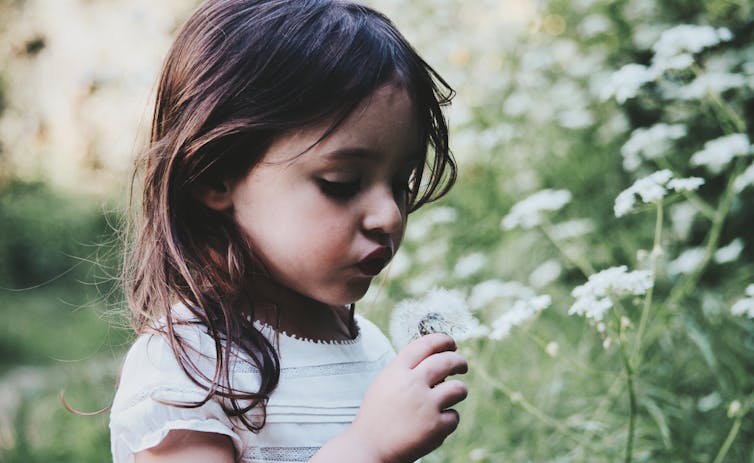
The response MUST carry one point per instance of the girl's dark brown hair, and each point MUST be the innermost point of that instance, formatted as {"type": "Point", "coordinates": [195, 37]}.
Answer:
{"type": "Point", "coordinates": [240, 73]}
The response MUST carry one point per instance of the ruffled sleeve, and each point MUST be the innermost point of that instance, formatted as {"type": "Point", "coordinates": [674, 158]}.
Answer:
{"type": "Point", "coordinates": [140, 417]}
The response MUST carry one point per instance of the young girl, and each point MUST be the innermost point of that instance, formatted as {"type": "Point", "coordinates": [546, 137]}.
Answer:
{"type": "Point", "coordinates": [290, 140]}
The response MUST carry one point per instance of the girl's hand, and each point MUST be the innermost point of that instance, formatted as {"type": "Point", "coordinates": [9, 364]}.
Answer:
{"type": "Point", "coordinates": [406, 411]}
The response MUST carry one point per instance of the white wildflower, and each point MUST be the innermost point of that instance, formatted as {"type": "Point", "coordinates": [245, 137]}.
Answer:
{"type": "Point", "coordinates": [572, 229]}
{"type": "Point", "coordinates": [682, 218]}
{"type": "Point", "coordinates": [709, 402]}
{"type": "Point", "coordinates": [626, 82]}
{"type": "Point", "coordinates": [593, 298]}
{"type": "Point", "coordinates": [528, 212]}
{"type": "Point", "coordinates": [477, 454]}
{"type": "Point", "coordinates": [684, 39]}
{"type": "Point", "coordinates": [521, 311]}
{"type": "Point", "coordinates": [746, 179]}
{"type": "Point", "coordinates": [650, 189]}
{"type": "Point", "coordinates": [552, 349]}
{"type": "Point", "coordinates": [423, 225]}
{"type": "Point", "coordinates": [545, 273]}
{"type": "Point", "coordinates": [734, 409]}
{"type": "Point", "coordinates": [650, 143]}
{"type": "Point", "coordinates": [575, 118]}
{"type": "Point", "coordinates": [711, 83]}
{"type": "Point", "coordinates": [719, 152]}
{"type": "Point", "coordinates": [730, 252]}
{"type": "Point", "coordinates": [399, 265]}
{"type": "Point", "coordinates": [439, 311]}
{"type": "Point", "coordinates": [470, 264]}
{"type": "Point", "coordinates": [685, 184]}
{"type": "Point", "coordinates": [687, 261]}
{"type": "Point", "coordinates": [745, 306]}
{"type": "Point", "coordinates": [486, 292]}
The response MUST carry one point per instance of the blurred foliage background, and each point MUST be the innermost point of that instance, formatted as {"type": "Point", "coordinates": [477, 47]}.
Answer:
{"type": "Point", "coordinates": [530, 114]}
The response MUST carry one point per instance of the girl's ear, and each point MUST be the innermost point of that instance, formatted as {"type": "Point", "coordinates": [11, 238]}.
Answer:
{"type": "Point", "coordinates": [215, 195]}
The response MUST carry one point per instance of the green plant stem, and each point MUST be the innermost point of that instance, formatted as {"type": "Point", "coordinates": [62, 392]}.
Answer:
{"type": "Point", "coordinates": [733, 433]}
{"type": "Point", "coordinates": [656, 249]}
{"type": "Point", "coordinates": [531, 408]}
{"type": "Point", "coordinates": [631, 402]}
{"type": "Point", "coordinates": [681, 291]}
{"type": "Point", "coordinates": [583, 265]}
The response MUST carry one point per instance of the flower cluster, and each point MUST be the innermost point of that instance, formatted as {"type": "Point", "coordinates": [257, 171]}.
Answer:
{"type": "Point", "coordinates": [653, 188]}
{"type": "Point", "coordinates": [719, 152]}
{"type": "Point", "coordinates": [676, 46]}
{"type": "Point", "coordinates": [439, 311]}
{"type": "Point", "coordinates": [593, 298]}
{"type": "Point", "coordinates": [521, 311]}
{"type": "Point", "coordinates": [745, 306]}
{"type": "Point", "coordinates": [649, 143]}
{"type": "Point", "coordinates": [528, 212]}
{"type": "Point", "coordinates": [674, 50]}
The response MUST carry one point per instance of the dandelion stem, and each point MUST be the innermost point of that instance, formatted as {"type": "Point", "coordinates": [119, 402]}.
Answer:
{"type": "Point", "coordinates": [656, 249]}
{"type": "Point", "coordinates": [585, 267]}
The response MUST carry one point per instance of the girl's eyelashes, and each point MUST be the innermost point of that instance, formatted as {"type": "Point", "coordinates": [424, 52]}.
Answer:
{"type": "Point", "coordinates": [341, 191]}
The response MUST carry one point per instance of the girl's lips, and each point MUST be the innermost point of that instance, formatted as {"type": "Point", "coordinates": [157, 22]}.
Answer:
{"type": "Point", "coordinates": [375, 261]}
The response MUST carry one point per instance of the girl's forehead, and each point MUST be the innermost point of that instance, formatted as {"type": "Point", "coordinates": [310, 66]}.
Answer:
{"type": "Point", "coordinates": [385, 123]}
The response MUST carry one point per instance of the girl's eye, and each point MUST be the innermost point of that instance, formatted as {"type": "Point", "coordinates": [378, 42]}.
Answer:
{"type": "Point", "coordinates": [339, 190]}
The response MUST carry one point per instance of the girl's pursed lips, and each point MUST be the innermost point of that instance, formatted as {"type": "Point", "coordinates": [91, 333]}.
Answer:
{"type": "Point", "coordinates": [375, 261]}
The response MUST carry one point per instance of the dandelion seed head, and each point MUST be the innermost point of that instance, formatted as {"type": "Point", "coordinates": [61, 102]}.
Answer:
{"type": "Point", "coordinates": [439, 311]}
{"type": "Point", "coordinates": [528, 212]}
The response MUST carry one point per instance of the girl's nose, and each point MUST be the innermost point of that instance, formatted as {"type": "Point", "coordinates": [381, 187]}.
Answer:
{"type": "Point", "coordinates": [384, 214]}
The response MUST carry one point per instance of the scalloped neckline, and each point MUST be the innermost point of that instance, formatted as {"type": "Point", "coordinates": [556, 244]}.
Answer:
{"type": "Point", "coordinates": [324, 342]}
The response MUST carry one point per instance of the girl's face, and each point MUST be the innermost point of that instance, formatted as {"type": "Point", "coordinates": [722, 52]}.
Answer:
{"type": "Point", "coordinates": [325, 222]}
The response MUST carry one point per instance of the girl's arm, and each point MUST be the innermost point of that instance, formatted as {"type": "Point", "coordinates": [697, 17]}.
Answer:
{"type": "Point", "coordinates": [184, 446]}
{"type": "Point", "coordinates": [405, 415]}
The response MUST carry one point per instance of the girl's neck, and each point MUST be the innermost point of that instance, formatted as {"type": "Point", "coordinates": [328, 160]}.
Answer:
{"type": "Point", "coordinates": [287, 310]}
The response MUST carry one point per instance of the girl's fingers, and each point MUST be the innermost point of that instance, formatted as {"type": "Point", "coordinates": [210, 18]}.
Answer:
{"type": "Point", "coordinates": [450, 393]}
{"type": "Point", "coordinates": [437, 367]}
{"type": "Point", "coordinates": [449, 420]}
{"type": "Point", "coordinates": [419, 349]}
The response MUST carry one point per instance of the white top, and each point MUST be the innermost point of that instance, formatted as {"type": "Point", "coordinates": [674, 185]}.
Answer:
{"type": "Point", "coordinates": [319, 393]}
